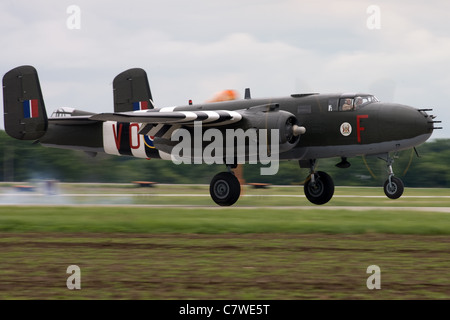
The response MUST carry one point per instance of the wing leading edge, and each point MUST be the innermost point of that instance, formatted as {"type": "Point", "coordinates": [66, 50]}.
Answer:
{"type": "Point", "coordinates": [217, 117]}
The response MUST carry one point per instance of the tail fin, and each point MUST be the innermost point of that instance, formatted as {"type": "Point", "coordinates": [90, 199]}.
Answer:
{"type": "Point", "coordinates": [132, 91]}
{"type": "Point", "coordinates": [24, 109]}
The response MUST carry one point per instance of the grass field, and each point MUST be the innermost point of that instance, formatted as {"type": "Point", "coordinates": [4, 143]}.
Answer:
{"type": "Point", "coordinates": [272, 245]}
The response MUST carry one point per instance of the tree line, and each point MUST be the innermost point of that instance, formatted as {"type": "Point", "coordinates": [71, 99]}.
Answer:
{"type": "Point", "coordinates": [25, 161]}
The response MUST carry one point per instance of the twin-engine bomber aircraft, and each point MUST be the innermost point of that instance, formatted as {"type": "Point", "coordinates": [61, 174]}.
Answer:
{"type": "Point", "coordinates": [302, 127]}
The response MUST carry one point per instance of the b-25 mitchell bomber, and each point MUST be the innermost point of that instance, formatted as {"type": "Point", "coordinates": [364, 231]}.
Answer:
{"type": "Point", "coordinates": [301, 127]}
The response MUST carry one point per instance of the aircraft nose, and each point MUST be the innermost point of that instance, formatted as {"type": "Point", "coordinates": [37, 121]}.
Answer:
{"type": "Point", "coordinates": [429, 119]}
{"type": "Point", "coordinates": [404, 122]}
{"type": "Point", "coordinates": [423, 124]}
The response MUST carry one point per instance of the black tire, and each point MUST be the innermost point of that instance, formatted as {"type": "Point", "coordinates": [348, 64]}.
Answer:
{"type": "Point", "coordinates": [322, 190]}
{"type": "Point", "coordinates": [225, 189]}
{"type": "Point", "coordinates": [395, 189]}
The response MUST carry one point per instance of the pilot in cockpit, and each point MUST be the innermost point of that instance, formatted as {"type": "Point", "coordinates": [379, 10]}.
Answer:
{"type": "Point", "coordinates": [358, 102]}
{"type": "Point", "coordinates": [347, 105]}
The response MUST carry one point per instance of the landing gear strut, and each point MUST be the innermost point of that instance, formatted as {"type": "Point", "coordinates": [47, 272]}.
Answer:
{"type": "Point", "coordinates": [225, 188]}
{"type": "Point", "coordinates": [319, 187]}
{"type": "Point", "coordinates": [393, 187]}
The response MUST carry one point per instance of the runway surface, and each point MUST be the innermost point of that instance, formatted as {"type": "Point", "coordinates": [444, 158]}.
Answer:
{"type": "Point", "coordinates": [35, 199]}
{"type": "Point", "coordinates": [197, 196]}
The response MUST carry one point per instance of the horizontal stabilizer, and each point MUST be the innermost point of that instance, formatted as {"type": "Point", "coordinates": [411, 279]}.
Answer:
{"type": "Point", "coordinates": [71, 116]}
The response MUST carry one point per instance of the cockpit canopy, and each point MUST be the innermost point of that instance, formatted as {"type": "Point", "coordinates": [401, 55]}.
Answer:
{"type": "Point", "coordinates": [354, 102]}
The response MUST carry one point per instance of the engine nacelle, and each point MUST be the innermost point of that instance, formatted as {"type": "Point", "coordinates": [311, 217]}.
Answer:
{"type": "Point", "coordinates": [285, 122]}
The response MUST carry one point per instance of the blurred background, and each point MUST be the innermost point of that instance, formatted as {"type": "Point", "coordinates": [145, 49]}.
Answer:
{"type": "Point", "coordinates": [24, 161]}
{"type": "Point", "coordinates": [191, 50]}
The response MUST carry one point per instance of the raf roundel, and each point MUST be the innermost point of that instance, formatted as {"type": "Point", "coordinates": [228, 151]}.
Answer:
{"type": "Point", "coordinates": [346, 129]}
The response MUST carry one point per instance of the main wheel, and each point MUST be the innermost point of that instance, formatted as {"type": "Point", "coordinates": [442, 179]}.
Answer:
{"type": "Point", "coordinates": [225, 189]}
{"type": "Point", "coordinates": [394, 189]}
{"type": "Point", "coordinates": [322, 190]}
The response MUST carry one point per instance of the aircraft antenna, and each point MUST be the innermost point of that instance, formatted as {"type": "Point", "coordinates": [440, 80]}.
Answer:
{"type": "Point", "coordinates": [247, 93]}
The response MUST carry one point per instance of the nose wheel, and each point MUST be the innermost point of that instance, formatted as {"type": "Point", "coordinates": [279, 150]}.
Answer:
{"type": "Point", "coordinates": [393, 187]}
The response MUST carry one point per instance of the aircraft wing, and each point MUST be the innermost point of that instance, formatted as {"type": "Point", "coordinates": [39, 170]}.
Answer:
{"type": "Point", "coordinates": [160, 123]}
{"type": "Point", "coordinates": [186, 117]}
{"type": "Point", "coordinates": [154, 116]}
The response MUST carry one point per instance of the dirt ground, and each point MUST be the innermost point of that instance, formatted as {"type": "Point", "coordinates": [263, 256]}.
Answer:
{"type": "Point", "coordinates": [224, 266]}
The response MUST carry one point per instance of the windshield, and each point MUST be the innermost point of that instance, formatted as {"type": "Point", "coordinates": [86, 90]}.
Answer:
{"type": "Point", "coordinates": [363, 100]}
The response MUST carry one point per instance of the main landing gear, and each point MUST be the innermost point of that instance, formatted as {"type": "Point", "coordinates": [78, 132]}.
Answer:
{"type": "Point", "coordinates": [319, 187]}
{"type": "Point", "coordinates": [225, 188]}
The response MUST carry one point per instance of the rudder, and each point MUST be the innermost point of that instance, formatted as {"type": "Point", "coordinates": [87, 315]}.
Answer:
{"type": "Point", "coordinates": [25, 116]}
{"type": "Point", "coordinates": [132, 91]}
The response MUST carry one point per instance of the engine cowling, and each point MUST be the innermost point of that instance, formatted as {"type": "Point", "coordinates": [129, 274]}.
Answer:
{"type": "Point", "coordinates": [286, 123]}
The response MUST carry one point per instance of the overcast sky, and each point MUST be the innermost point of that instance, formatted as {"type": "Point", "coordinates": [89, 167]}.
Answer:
{"type": "Point", "coordinates": [192, 49]}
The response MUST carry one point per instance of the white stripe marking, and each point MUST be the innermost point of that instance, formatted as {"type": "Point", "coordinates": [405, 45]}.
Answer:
{"type": "Point", "coordinates": [167, 109]}
{"type": "Point", "coordinates": [212, 116]}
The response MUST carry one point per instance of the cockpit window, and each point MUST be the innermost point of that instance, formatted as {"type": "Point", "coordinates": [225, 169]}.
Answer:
{"type": "Point", "coordinates": [363, 100]}
{"type": "Point", "coordinates": [354, 103]}
{"type": "Point", "coordinates": [347, 104]}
